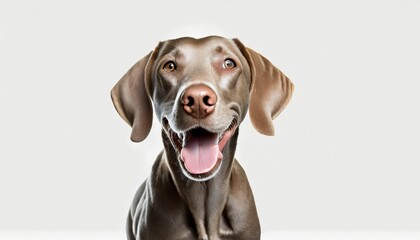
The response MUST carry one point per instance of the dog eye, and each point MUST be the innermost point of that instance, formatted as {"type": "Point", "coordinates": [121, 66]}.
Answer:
{"type": "Point", "coordinates": [229, 64]}
{"type": "Point", "coordinates": [169, 66]}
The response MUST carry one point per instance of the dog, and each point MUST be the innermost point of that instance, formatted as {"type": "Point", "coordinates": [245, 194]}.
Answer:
{"type": "Point", "coordinates": [201, 90]}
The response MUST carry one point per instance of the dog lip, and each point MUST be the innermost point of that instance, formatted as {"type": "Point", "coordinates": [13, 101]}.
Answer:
{"type": "Point", "coordinates": [181, 135]}
{"type": "Point", "coordinates": [173, 136]}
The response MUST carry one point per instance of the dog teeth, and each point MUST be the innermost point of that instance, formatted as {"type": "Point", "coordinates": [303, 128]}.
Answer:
{"type": "Point", "coordinates": [183, 137]}
{"type": "Point", "coordinates": [221, 136]}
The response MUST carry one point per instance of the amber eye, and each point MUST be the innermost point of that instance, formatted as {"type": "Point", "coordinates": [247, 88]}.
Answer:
{"type": "Point", "coordinates": [169, 66]}
{"type": "Point", "coordinates": [229, 64]}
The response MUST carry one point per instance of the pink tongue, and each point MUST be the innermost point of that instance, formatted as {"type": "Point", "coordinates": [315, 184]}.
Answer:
{"type": "Point", "coordinates": [200, 153]}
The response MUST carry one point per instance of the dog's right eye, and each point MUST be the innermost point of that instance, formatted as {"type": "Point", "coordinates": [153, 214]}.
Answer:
{"type": "Point", "coordinates": [169, 66]}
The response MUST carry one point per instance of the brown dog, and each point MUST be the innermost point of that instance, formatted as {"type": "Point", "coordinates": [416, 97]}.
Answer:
{"type": "Point", "coordinates": [201, 90]}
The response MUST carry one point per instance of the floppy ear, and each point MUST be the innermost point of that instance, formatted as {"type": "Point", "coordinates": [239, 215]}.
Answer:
{"type": "Point", "coordinates": [270, 90]}
{"type": "Point", "coordinates": [132, 101]}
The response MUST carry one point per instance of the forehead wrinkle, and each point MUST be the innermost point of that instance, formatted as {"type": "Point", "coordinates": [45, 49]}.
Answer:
{"type": "Point", "coordinates": [216, 53]}
{"type": "Point", "coordinates": [169, 47]}
{"type": "Point", "coordinates": [173, 50]}
{"type": "Point", "coordinates": [177, 55]}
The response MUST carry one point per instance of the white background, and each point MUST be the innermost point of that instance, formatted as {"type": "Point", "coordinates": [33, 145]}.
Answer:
{"type": "Point", "coordinates": [346, 152]}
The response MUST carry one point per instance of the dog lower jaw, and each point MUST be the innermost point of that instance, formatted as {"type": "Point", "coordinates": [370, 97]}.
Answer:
{"type": "Point", "coordinates": [200, 177]}
{"type": "Point", "coordinates": [178, 145]}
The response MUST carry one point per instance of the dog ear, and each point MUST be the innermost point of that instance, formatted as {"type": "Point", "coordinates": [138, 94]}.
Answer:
{"type": "Point", "coordinates": [132, 101]}
{"type": "Point", "coordinates": [270, 90]}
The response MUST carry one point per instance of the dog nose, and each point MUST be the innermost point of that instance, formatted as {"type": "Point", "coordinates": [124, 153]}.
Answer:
{"type": "Point", "coordinates": [199, 100]}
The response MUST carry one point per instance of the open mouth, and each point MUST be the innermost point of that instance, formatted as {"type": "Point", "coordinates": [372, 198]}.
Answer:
{"type": "Point", "coordinates": [200, 150]}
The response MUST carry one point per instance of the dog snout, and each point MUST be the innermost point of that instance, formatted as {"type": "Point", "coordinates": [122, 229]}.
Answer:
{"type": "Point", "coordinates": [199, 100]}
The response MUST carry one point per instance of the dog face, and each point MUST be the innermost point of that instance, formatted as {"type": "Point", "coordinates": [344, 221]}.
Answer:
{"type": "Point", "coordinates": [201, 90]}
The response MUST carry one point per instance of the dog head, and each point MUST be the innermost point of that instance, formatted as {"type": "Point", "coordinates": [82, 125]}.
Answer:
{"type": "Point", "coordinates": [201, 90]}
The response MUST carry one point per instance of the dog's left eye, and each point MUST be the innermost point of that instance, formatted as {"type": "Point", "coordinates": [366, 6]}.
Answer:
{"type": "Point", "coordinates": [169, 66]}
{"type": "Point", "coordinates": [229, 64]}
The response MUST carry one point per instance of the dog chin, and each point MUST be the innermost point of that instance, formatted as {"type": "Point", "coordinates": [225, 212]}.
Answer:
{"type": "Point", "coordinates": [199, 150]}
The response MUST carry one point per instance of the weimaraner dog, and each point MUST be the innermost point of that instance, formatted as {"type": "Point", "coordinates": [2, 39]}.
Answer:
{"type": "Point", "coordinates": [201, 90]}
